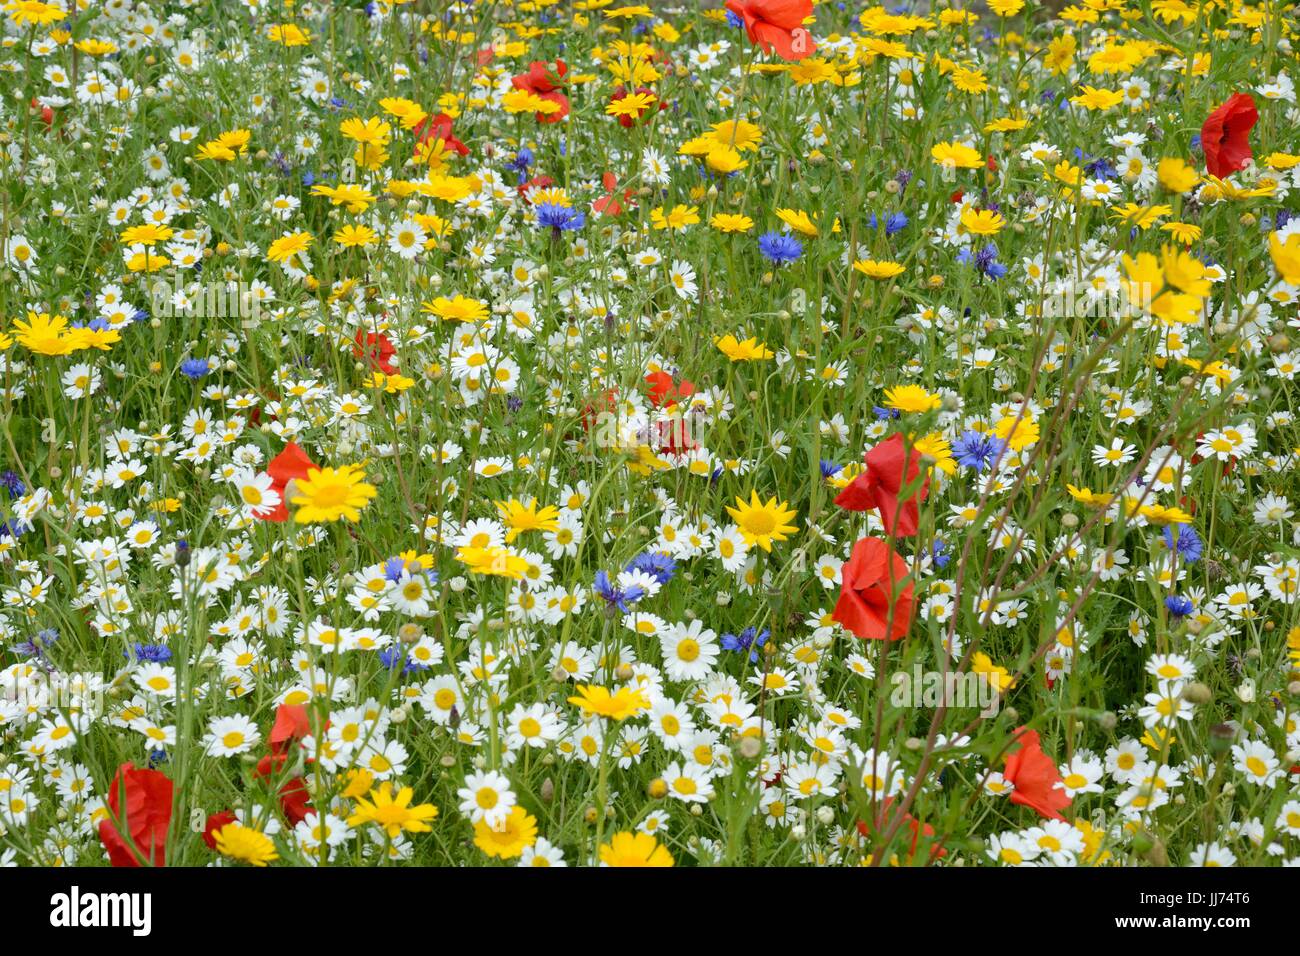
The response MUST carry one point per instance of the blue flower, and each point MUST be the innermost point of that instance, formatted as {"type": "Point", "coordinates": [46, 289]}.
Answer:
{"type": "Point", "coordinates": [560, 218]}
{"type": "Point", "coordinates": [10, 481]}
{"type": "Point", "coordinates": [658, 565]}
{"type": "Point", "coordinates": [614, 596]}
{"type": "Point", "coordinates": [748, 640]}
{"type": "Point", "coordinates": [829, 468]}
{"type": "Point", "coordinates": [1179, 606]}
{"type": "Point", "coordinates": [780, 247]}
{"type": "Point", "coordinates": [149, 653]}
{"type": "Point", "coordinates": [194, 368]}
{"type": "Point", "coordinates": [977, 450]}
{"type": "Point", "coordinates": [1185, 541]}
{"type": "Point", "coordinates": [939, 552]}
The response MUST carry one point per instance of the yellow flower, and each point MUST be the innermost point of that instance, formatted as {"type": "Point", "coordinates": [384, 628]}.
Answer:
{"type": "Point", "coordinates": [517, 831]}
{"type": "Point", "coordinates": [749, 350]}
{"type": "Point", "coordinates": [596, 700]}
{"type": "Point", "coordinates": [1093, 98]}
{"type": "Point", "coordinates": [957, 155]}
{"type": "Point", "coordinates": [146, 235]}
{"type": "Point", "coordinates": [911, 398]}
{"type": "Point", "coordinates": [356, 198]}
{"type": "Point", "coordinates": [519, 518]}
{"type": "Point", "coordinates": [982, 222]}
{"type": "Point", "coordinates": [34, 12]}
{"type": "Point", "coordinates": [355, 236]}
{"type": "Point", "coordinates": [1141, 217]}
{"type": "Point", "coordinates": [731, 222]}
{"type": "Point", "coordinates": [1006, 8]}
{"type": "Point", "coordinates": [1286, 257]}
{"type": "Point", "coordinates": [495, 561]}
{"type": "Point", "coordinates": [1183, 232]}
{"type": "Point", "coordinates": [762, 523]}
{"type": "Point", "coordinates": [724, 160]}
{"type": "Point", "coordinates": [1017, 431]}
{"type": "Point", "coordinates": [798, 220]}
{"type": "Point", "coordinates": [44, 334]}
{"type": "Point", "coordinates": [1176, 176]}
{"type": "Point", "coordinates": [245, 844]}
{"type": "Point", "coordinates": [393, 813]}
{"type": "Point", "coordinates": [288, 34]}
{"type": "Point", "coordinates": [878, 270]}
{"type": "Point", "coordinates": [679, 218]}
{"type": "Point", "coordinates": [328, 494]}
{"type": "Point", "coordinates": [370, 132]}
{"type": "Point", "coordinates": [999, 678]}
{"type": "Point", "coordinates": [1161, 515]}
{"type": "Point", "coordinates": [1089, 497]}
{"type": "Point", "coordinates": [457, 309]}
{"type": "Point", "coordinates": [634, 849]}
{"type": "Point", "coordinates": [288, 246]}
{"type": "Point", "coordinates": [409, 114]}
{"type": "Point", "coordinates": [935, 446]}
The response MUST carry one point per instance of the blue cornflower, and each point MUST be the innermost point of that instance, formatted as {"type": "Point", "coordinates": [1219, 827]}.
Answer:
{"type": "Point", "coordinates": [939, 553]}
{"type": "Point", "coordinates": [194, 368]}
{"type": "Point", "coordinates": [884, 414]}
{"type": "Point", "coordinates": [1179, 606]}
{"type": "Point", "coordinates": [748, 640]}
{"type": "Point", "coordinates": [149, 653]}
{"type": "Point", "coordinates": [10, 481]}
{"type": "Point", "coordinates": [1185, 541]}
{"type": "Point", "coordinates": [614, 596]}
{"type": "Point", "coordinates": [977, 450]}
{"type": "Point", "coordinates": [897, 222]}
{"type": "Point", "coordinates": [829, 468]}
{"type": "Point", "coordinates": [658, 565]}
{"type": "Point", "coordinates": [734, 21]}
{"type": "Point", "coordinates": [780, 247]}
{"type": "Point", "coordinates": [560, 218]}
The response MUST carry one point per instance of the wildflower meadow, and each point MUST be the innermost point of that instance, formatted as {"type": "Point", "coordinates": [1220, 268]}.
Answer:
{"type": "Point", "coordinates": [571, 433]}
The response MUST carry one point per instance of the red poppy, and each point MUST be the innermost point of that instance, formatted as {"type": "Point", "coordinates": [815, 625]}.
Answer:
{"type": "Point", "coordinates": [295, 800]}
{"type": "Point", "coordinates": [890, 466]}
{"type": "Point", "coordinates": [537, 182]}
{"type": "Point", "coordinates": [871, 604]}
{"type": "Point", "coordinates": [918, 830]}
{"type": "Point", "coordinates": [627, 122]}
{"type": "Point", "coordinates": [1225, 135]}
{"type": "Point", "coordinates": [292, 464]}
{"type": "Point", "coordinates": [290, 724]}
{"type": "Point", "coordinates": [957, 197]}
{"type": "Point", "coordinates": [777, 25]}
{"type": "Point", "coordinates": [47, 114]}
{"type": "Point", "coordinates": [663, 391]}
{"type": "Point", "coordinates": [544, 80]}
{"type": "Point", "coordinates": [610, 204]}
{"type": "Point", "coordinates": [146, 813]}
{"type": "Point", "coordinates": [1034, 776]}
{"type": "Point", "coordinates": [484, 56]}
{"type": "Point", "coordinates": [439, 127]}
{"type": "Point", "coordinates": [376, 349]}
{"type": "Point", "coordinates": [215, 822]}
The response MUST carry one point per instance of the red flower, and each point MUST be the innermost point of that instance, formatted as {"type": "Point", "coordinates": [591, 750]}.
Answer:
{"type": "Point", "coordinates": [918, 830]}
{"type": "Point", "coordinates": [1034, 776]}
{"type": "Point", "coordinates": [871, 604]}
{"type": "Point", "coordinates": [146, 814]}
{"type": "Point", "coordinates": [376, 349]}
{"type": "Point", "coordinates": [47, 114]}
{"type": "Point", "coordinates": [545, 80]}
{"type": "Point", "coordinates": [295, 801]}
{"type": "Point", "coordinates": [290, 724]}
{"type": "Point", "coordinates": [292, 464]}
{"type": "Point", "coordinates": [610, 204]}
{"type": "Point", "coordinates": [1225, 135]}
{"type": "Point", "coordinates": [879, 486]}
{"type": "Point", "coordinates": [627, 122]}
{"type": "Point", "coordinates": [537, 182]}
{"type": "Point", "coordinates": [215, 822]}
{"type": "Point", "coordinates": [777, 25]}
{"type": "Point", "coordinates": [663, 391]}
{"type": "Point", "coordinates": [439, 127]}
